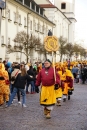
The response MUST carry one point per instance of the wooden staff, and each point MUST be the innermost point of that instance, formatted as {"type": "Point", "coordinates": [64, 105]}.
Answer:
{"type": "Point", "coordinates": [51, 45]}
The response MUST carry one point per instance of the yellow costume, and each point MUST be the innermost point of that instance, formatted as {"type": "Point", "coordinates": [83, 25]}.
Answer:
{"type": "Point", "coordinates": [68, 84]}
{"type": "Point", "coordinates": [47, 97]}
{"type": "Point", "coordinates": [4, 87]}
{"type": "Point", "coordinates": [59, 92]}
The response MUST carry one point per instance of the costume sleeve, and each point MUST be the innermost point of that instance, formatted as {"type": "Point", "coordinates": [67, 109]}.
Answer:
{"type": "Point", "coordinates": [5, 75]}
{"type": "Point", "coordinates": [38, 80]}
{"type": "Point", "coordinates": [57, 78]}
{"type": "Point", "coordinates": [70, 80]}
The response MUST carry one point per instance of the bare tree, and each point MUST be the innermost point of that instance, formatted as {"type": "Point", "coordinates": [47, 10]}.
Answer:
{"type": "Point", "coordinates": [69, 49]}
{"type": "Point", "coordinates": [24, 43]}
{"type": "Point", "coordinates": [83, 52]}
{"type": "Point", "coordinates": [62, 46]}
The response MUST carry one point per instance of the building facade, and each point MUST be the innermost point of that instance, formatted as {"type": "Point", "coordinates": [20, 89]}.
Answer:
{"type": "Point", "coordinates": [61, 12]}
{"type": "Point", "coordinates": [27, 16]}
{"type": "Point", "coordinates": [36, 17]}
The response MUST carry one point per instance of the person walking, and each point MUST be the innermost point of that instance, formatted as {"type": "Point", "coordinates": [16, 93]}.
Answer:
{"type": "Point", "coordinates": [19, 85]}
{"type": "Point", "coordinates": [46, 78]}
{"type": "Point", "coordinates": [31, 73]}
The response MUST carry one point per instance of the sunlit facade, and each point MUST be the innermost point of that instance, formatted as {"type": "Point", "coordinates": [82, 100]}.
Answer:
{"type": "Point", "coordinates": [23, 16]}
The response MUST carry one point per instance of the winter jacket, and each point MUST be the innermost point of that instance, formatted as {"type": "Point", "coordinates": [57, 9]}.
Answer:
{"type": "Point", "coordinates": [20, 81]}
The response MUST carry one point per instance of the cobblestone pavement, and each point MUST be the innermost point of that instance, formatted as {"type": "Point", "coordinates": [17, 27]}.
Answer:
{"type": "Point", "coordinates": [72, 115]}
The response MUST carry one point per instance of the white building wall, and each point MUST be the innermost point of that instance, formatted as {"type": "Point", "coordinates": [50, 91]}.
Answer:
{"type": "Point", "coordinates": [42, 1]}
{"type": "Point", "coordinates": [9, 30]}
{"type": "Point", "coordinates": [71, 33]}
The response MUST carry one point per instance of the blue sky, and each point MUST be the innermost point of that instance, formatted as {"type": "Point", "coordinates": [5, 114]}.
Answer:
{"type": "Point", "coordinates": [81, 17]}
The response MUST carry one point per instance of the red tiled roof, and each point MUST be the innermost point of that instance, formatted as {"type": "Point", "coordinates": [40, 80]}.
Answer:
{"type": "Point", "coordinates": [47, 5]}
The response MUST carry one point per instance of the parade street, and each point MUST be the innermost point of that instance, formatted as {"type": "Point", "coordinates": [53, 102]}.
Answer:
{"type": "Point", "coordinates": [72, 115]}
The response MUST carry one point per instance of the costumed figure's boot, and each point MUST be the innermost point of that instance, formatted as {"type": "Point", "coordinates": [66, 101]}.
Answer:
{"type": "Point", "coordinates": [64, 99]}
{"type": "Point", "coordinates": [48, 114]}
{"type": "Point", "coordinates": [68, 97]}
{"type": "Point", "coordinates": [58, 103]}
{"type": "Point", "coordinates": [45, 111]}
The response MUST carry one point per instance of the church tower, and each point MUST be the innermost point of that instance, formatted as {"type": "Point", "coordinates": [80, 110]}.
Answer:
{"type": "Point", "coordinates": [67, 7]}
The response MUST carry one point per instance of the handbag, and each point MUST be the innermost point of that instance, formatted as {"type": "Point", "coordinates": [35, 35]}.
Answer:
{"type": "Point", "coordinates": [14, 77]}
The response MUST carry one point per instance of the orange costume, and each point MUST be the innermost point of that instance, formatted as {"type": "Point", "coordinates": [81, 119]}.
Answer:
{"type": "Point", "coordinates": [4, 85]}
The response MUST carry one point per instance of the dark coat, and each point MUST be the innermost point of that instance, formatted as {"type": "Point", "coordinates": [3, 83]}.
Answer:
{"type": "Point", "coordinates": [31, 72]}
{"type": "Point", "coordinates": [20, 81]}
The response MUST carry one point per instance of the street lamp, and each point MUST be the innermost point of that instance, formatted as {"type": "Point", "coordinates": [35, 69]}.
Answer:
{"type": "Point", "coordinates": [2, 6]}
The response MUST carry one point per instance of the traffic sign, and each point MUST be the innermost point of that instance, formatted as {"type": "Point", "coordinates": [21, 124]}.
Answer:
{"type": "Point", "coordinates": [2, 4]}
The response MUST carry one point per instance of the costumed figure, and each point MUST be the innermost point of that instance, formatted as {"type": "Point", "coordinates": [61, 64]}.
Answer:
{"type": "Point", "coordinates": [59, 92]}
{"type": "Point", "coordinates": [46, 77]}
{"type": "Point", "coordinates": [67, 79]}
{"type": "Point", "coordinates": [4, 85]}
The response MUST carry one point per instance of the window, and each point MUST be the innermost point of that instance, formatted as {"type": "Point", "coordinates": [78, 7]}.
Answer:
{"type": "Point", "coordinates": [43, 28]}
{"type": "Point", "coordinates": [37, 9]}
{"type": "Point", "coordinates": [33, 6]}
{"type": "Point", "coordinates": [31, 25]}
{"type": "Point", "coordinates": [21, 0]}
{"type": "Point", "coordinates": [19, 18]}
{"type": "Point", "coordinates": [41, 11]}
{"type": "Point", "coordinates": [24, 21]}
{"type": "Point", "coordinates": [2, 40]}
{"type": "Point", "coordinates": [8, 14]}
{"type": "Point", "coordinates": [35, 26]}
{"type": "Point", "coordinates": [39, 28]}
{"type": "Point", "coordinates": [63, 5]}
{"type": "Point", "coordinates": [26, 2]}
{"type": "Point", "coordinates": [14, 16]}
{"type": "Point", "coordinates": [2, 12]}
{"type": "Point", "coordinates": [8, 41]}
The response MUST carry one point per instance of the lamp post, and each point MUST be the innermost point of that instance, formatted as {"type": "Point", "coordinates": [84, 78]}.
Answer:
{"type": "Point", "coordinates": [2, 6]}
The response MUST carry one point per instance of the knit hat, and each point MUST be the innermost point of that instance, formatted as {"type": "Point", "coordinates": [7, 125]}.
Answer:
{"type": "Point", "coordinates": [48, 61]}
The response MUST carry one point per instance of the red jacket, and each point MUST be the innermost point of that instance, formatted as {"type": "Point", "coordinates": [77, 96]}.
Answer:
{"type": "Point", "coordinates": [47, 77]}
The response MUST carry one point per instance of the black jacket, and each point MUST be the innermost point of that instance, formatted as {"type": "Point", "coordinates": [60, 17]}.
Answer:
{"type": "Point", "coordinates": [31, 72]}
{"type": "Point", "coordinates": [21, 81]}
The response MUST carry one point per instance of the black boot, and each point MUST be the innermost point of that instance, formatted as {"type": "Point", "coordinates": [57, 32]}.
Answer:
{"type": "Point", "coordinates": [64, 100]}
{"type": "Point", "coordinates": [68, 97]}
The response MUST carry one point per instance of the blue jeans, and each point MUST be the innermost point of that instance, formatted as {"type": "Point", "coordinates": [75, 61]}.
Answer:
{"type": "Point", "coordinates": [14, 94]}
{"type": "Point", "coordinates": [32, 86]}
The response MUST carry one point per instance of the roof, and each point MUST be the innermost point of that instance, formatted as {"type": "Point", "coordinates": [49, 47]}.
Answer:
{"type": "Point", "coordinates": [52, 6]}
{"type": "Point", "coordinates": [44, 17]}
{"type": "Point", "coordinates": [47, 6]}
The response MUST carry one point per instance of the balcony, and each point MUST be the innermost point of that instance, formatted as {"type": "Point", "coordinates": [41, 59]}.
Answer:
{"type": "Point", "coordinates": [20, 24]}
{"type": "Point", "coordinates": [3, 17]}
{"type": "Point", "coordinates": [15, 22]}
{"type": "Point", "coordinates": [9, 20]}
{"type": "Point", "coordinates": [3, 44]}
{"type": "Point", "coordinates": [9, 46]}
{"type": "Point", "coordinates": [25, 26]}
